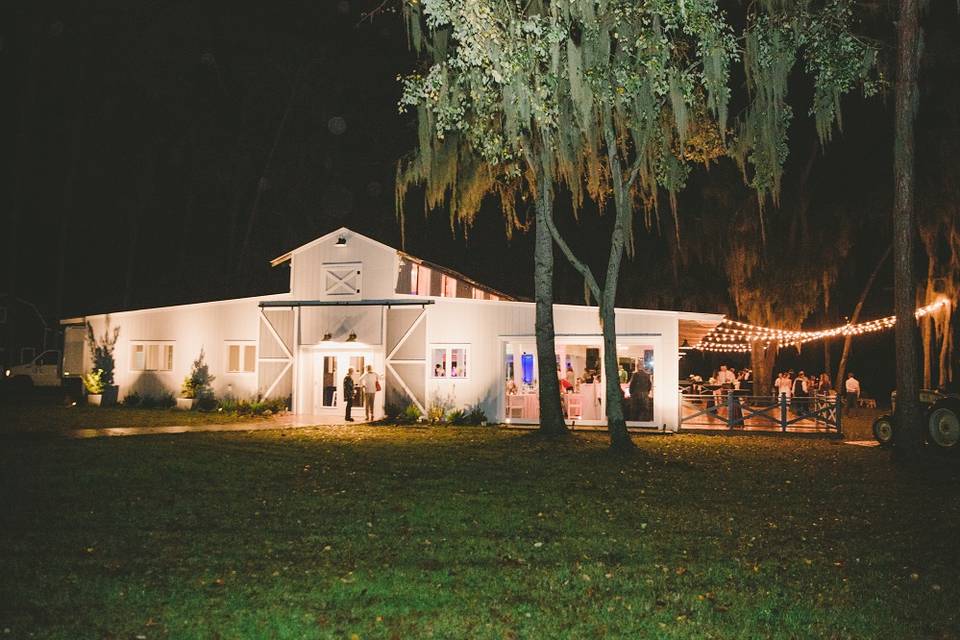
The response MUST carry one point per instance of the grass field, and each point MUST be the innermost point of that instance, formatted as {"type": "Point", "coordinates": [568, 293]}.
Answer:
{"type": "Point", "coordinates": [471, 533]}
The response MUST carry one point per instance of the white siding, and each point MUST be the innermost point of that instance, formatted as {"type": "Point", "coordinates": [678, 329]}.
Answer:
{"type": "Point", "coordinates": [481, 324]}
{"type": "Point", "coordinates": [191, 328]}
{"type": "Point", "coordinates": [379, 262]}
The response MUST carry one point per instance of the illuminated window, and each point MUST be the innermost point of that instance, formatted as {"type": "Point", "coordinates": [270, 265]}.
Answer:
{"type": "Point", "coordinates": [414, 278]}
{"type": "Point", "coordinates": [151, 356]}
{"type": "Point", "coordinates": [241, 357]}
{"type": "Point", "coordinates": [450, 361]}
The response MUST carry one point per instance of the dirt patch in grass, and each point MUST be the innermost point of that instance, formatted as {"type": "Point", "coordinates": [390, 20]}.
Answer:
{"type": "Point", "coordinates": [474, 533]}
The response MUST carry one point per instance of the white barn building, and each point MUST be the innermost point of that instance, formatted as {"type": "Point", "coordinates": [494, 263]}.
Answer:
{"type": "Point", "coordinates": [431, 332]}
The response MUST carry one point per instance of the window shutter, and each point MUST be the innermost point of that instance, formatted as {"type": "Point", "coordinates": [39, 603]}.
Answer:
{"type": "Point", "coordinates": [249, 358]}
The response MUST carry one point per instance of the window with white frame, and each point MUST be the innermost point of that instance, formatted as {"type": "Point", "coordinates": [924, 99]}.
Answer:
{"type": "Point", "coordinates": [151, 356]}
{"type": "Point", "coordinates": [449, 361]}
{"type": "Point", "coordinates": [241, 356]}
{"type": "Point", "coordinates": [342, 280]}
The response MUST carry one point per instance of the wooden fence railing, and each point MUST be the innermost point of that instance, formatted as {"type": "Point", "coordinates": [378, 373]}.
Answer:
{"type": "Point", "coordinates": [767, 413]}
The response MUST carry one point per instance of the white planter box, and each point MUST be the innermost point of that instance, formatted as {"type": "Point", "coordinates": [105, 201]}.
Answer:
{"type": "Point", "coordinates": [187, 404]}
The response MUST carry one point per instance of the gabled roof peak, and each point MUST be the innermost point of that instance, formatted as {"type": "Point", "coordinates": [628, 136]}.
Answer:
{"type": "Point", "coordinates": [345, 231]}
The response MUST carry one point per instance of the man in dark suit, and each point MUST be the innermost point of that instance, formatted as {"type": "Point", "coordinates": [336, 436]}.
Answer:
{"type": "Point", "coordinates": [640, 385]}
{"type": "Point", "coordinates": [348, 391]}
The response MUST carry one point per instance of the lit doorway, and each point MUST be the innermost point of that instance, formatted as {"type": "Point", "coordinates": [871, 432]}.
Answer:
{"type": "Point", "coordinates": [325, 380]}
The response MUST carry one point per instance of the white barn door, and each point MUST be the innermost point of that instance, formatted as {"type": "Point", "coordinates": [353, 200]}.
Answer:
{"type": "Point", "coordinates": [275, 355]}
{"type": "Point", "coordinates": [406, 357]}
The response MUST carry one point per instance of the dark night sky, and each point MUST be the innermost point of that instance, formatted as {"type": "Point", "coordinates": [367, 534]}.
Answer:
{"type": "Point", "coordinates": [135, 133]}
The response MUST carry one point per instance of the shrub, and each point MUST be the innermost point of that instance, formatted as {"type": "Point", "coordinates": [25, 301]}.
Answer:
{"type": "Point", "coordinates": [254, 407]}
{"type": "Point", "coordinates": [475, 415]}
{"type": "Point", "coordinates": [132, 400]}
{"type": "Point", "coordinates": [197, 384]}
{"type": "Point", "coordinates": [410, 415]}
{"type": "Point", "coordinates": [101, 351]}
{"type": "Point", "coordinates": [162, 401]}
{"type": "Point", "coordinates": [438, 408]}
{"type": "Point", "coordinates": [94, 382]}
{"type": "Point", "coordinates": [471, 415]}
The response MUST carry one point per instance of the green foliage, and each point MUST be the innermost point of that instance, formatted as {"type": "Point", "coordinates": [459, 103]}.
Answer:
{"type": "Point", "coordinates": [164, 400]}
{"type": "Point", "coordinates": [94, 382]}
{"type": "Point", "coordinates": [471, 415]}
{"type": "Point", "coordinates": [411, 414]}
{"type": "Point", "coordinates": [440, 405]}
{"type": "Point", "coordinates": [101, 352]}
{"type": "Point", "coordinates": [197, 384]}
{"type": "Point", "coordinates": [402, 414]}
{"type": "Point", "coordinates": [253, 407]}
{"type": "Point", "coordinates": [132, 400]}
{"type": "Point", "coordinates": [516, 96]}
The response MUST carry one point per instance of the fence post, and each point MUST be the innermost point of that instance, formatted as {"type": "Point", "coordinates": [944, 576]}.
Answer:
{"type": "Point", "coordinates": [839, 416]}
{"type": "Point", "coordinates": [729, 409]}
{"type": "Point", "coordinates": [783, 412]}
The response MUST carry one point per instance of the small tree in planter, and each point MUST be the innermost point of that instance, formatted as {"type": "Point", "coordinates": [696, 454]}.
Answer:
{"type": "Point", "coordinates": [196, 386]}
{"type": "Point", "coordinates": [99, 382]}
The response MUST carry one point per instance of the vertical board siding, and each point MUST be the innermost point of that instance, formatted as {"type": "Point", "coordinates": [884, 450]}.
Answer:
{"type": "Point", "coordinates": [380, 265]}
{"type": "Point", "coordinates": [339, 322]}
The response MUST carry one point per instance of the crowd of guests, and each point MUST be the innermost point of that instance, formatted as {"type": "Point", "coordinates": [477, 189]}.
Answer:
{"type": "Point", "coordinates": [796, 387]}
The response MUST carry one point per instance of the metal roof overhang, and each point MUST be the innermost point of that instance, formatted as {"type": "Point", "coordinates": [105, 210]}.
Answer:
{"type": "Point", "coordinates": [342, 303]}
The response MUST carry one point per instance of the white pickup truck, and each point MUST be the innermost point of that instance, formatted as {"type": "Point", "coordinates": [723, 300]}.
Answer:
{"type": "Point", "coordinates": [42, 371]}
{"type": "Point", "coordinates": [51, 368]}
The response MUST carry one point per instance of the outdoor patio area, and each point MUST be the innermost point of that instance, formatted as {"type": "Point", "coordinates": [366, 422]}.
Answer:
{"type": "Point", "coordinates": [818, 415]}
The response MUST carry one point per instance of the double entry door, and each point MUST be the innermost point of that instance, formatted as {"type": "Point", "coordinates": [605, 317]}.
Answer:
{"type": "Point", "coordinates": [330, 368]}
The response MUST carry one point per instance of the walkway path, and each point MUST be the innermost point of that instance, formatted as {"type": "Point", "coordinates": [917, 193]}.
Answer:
{"type": "Point", "coordinates": [278, 422]}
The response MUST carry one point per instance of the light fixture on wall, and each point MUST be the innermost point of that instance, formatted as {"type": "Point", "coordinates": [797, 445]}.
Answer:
{"type": "Point", "coordinates": [326, 337]}
{"type": "Point", "coordinates": [352, 337]}
{"type": "Point", "coordinates": [341, 241]}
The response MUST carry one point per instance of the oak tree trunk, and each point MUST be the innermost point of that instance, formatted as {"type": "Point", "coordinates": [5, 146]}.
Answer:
{"type": "Point", "coordinates": [908, 434]}
{"type": "Point", "coordinates": [762, 358]}
{"type": "Point", "coordinates": [551, 413]}
{"type": "Point", "coordinates": [616, 424]}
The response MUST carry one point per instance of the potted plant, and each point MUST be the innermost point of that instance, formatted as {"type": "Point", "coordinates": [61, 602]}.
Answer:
{"type": "Point", "coordinates": [196, 386]}
{"type": "Point", "coordinates": [93, 383]}
{"type": "Point", "coordinates": [99, 382]}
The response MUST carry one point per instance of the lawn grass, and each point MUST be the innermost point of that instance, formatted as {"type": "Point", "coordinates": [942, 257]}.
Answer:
{"type": "Point", "coordinates": [48, 417]}
{"type": "Point", "coordinates": [384, 532]}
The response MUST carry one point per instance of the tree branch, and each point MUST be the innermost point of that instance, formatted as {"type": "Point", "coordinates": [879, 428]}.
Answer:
{"type": "Point", "coordinates": [583, 269]}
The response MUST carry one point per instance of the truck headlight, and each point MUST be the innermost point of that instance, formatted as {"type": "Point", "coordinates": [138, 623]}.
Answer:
{"type": "Point", "coordinates": [7, 373]}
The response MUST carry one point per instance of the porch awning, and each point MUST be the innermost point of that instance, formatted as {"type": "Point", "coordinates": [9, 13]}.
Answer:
{"type": "Point", "coordinates": [343, 303]}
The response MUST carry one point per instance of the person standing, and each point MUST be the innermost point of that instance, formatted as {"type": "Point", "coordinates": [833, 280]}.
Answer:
{"type": "Point", "coordinates": [348, 391]}
{"type": "Point", "coordinates": [726, 377]}
{"type": "Point", "coordinates": [640, 386]}
{"type": "Point", "coordinates": [800, 391]}
{"type": "Point", "coordinates": [370, 382]}
{"type": "Point", "coordinates": [784, 386]}
{"type": "Point", "coordinates": [825, 386]}
{"type": "Point", "coordinates": [851, 393]}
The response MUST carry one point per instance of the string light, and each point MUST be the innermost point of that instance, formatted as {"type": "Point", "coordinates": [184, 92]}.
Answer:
{"type": "Point", "coordinates": [738, 337]}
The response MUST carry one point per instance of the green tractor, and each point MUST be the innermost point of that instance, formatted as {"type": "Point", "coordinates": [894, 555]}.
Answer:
{"type": "Point", "coordinates": [941, 415]}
